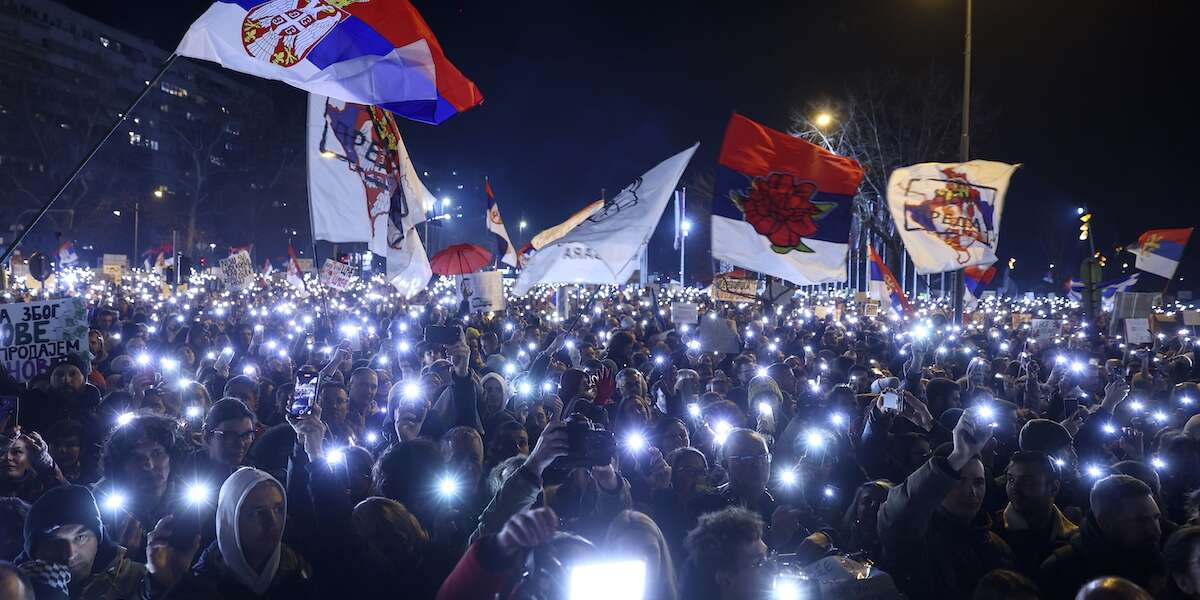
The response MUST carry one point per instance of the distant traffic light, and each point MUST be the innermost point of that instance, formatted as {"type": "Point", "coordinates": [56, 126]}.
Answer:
{"type": "Point", "coordinates": [1085, 227]}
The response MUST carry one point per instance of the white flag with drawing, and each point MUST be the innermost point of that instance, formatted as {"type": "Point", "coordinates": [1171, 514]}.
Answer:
{"type": "Point", "coordinates": [604, 248]}
{"type": "Point", "coordinates": [948, 214]}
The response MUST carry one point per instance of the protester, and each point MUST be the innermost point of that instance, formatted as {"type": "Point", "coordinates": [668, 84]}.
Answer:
{"type": "Point", "coordinates": [1120, 536]}
{"type": "Point", "coordinates": [248, 558]}
{"type": "Point", "coordinates": [962, 462]}
{"type": "Point", "coordinates": [935, 538]}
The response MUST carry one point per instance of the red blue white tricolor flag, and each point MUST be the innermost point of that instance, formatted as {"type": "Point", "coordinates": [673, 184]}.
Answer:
{"type": "Point", "coordinates": [977, 278]}
{"type": "Point", "coordinates": [1160, 250]}
{"type": "Point", "coordinates": [782, 205]}
{"type": "Point", "coordinates": [505, 250]}
{"type": "Point", "coordinates": [886, 286]}
{"type": "Point", "coordinates": [363, 51]}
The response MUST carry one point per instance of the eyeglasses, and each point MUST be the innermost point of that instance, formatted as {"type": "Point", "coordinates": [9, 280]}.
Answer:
{"type": "Point", "coordinates": [232, 436]}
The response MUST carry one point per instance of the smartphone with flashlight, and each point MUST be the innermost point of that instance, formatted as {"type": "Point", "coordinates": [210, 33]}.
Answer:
{"type": "Point", "coordinates": [607, 580]}
{"type": "Point", "coordinates": [892, 401]}
{"type": "Point", "coordinates": [304, 395]}
{"type": "Point", "coordinates": [1070, 405]}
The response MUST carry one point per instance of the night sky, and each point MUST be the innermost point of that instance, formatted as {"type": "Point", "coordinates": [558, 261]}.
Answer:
{"type": "Point", "coordinates": [1092, 97]}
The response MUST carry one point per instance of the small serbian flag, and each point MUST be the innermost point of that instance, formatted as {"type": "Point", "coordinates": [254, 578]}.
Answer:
{"type": "Point", "coordinates": [505, 251]}
{"type": "Point", "coordinates": [782, 205]}
{"type": "Point", "coordinates": [979, 277]}
{"type": "Point", "coordinates": [1160, 250]}
{"type": "Point", "coordinates": [363, 51]}
{"type": "Point", "coordinates": [66, 254]}
{"type": "Point", "coordinates": [885, 285]}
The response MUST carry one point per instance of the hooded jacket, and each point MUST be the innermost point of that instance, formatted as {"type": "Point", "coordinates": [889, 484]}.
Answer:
{"type": "Point", "coordinates": [222, 570]}
{"type": "Point", "coordinates": [114, 576]}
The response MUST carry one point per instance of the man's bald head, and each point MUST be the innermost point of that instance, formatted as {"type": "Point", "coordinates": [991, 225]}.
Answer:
{"type": "Point", "coordinates": [1112, 588]}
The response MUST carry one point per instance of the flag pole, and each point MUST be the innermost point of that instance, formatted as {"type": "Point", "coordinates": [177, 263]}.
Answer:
{"type": "Point", "coordinates": [312, 222]}
{"type": "Point", "coordinates": [964, 150]}
{"type": "Point", "coordinates": [121, 117]}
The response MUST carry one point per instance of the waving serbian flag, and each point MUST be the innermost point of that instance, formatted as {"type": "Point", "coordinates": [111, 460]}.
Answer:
{"type": "Point", "coordinates": [363, 51]}
{"type": "Point", "coordinates": [1160, 250]}
{"type": "Point", "coordinates": [66, 254]}
{"type": "Point", "coordinates": [949, 214]}
{"type": "Point", "coordinates": [495, 225]}
{"type": "Point", "coordinates": [885, 286]}
{"type": "Point", "coordinates": [782, 205]}
{"type": "Point", "coordinates": [295, 275]}
{"type": "Point", "coordinates": [1107, 289]}
{"type": "Point", "coordinates": [978, 278]}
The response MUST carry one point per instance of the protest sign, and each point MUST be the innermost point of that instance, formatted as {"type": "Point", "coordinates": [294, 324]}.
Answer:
{"type": "Point", "coordinates": [1019, 319]}
{"type": "Point", "coordinates": [237, 272]}
{"type": "Point", "coordinates": [1191, 317]}
{"type": "Point", "coordinates": [113, 266]}
{"type": "Point", "coordinates": [337, 275]}
{"type": "Point", "coordinates": [719, 335]}
{"type": "Point", "coordinates": [734, 289]}
{"type": "Point", "coordinates": [304, 264]}
{"type": "Point", "coordinates": [684, 312]}
{"type": "Point", "coordinates": [1137, 331]}
{"type": "Point", "coordinates": [1045, 330]}
{"type": "Point", "coordinates": [484, 291]}
{"type": "Point", "coordinates": [35, 335]}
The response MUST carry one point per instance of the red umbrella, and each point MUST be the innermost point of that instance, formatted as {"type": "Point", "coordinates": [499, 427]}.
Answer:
{"type": "Point", "coordinates": [460, 259]}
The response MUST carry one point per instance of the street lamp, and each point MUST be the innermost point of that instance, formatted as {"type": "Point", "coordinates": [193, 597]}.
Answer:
{"type": "Point", "coordinates": [158, 193]}
{"type": "Point", "coordinates": [446, 202]}
{"type": "Point", "coordinates": [823, 120]}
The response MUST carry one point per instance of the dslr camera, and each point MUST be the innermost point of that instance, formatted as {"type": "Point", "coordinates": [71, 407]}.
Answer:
{"type": "Point", "coordinates": [588, 445]}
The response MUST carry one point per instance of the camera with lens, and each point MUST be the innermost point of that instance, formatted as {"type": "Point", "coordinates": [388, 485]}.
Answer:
{"type": "Point", "coordinates": [588, 445]}
{"type": "Point", "coordinates": [834, 576]}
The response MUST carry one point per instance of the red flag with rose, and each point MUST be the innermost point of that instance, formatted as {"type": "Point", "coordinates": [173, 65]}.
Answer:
{"type": "Point", "coordinates": [786, 195]}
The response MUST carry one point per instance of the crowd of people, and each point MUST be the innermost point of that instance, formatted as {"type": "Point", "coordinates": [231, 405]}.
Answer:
{"type": "Point", "coordinates": [284, 443]}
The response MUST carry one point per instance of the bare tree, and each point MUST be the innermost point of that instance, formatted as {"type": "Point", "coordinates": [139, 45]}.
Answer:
{"type": "Point", "coordinates": [222, 175]}
{"type": "Point", "coordinates": [885, 121]}
{"type": "Point", "coordinates": [52, 146]}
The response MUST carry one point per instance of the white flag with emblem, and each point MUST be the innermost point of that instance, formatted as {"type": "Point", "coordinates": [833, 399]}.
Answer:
{"type": "Point", "coordinates": [948, 214]}
{"type": "Point", "coordinates": [605, 247]}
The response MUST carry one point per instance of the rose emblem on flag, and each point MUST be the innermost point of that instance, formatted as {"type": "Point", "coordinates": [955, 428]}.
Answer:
{"type": "Point", "coordinates": [781, 208]}
{"type": "Point", "coordinates": [283, 32]}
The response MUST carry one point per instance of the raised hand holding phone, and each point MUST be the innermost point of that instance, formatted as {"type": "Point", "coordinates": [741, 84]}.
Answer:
{"type": "Point", "coordinates": [970, 436]}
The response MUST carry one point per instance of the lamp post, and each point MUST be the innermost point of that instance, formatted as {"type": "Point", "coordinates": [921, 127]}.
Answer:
{"type": "Point", "coordinates": [964, 148]}
{"type": "Point", "coordinates": [685, 228]}
{"type": "Point", "coordinates": [137, 211]}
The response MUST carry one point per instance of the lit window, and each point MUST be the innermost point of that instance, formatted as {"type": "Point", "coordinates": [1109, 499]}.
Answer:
{"type": "Point", "coordinates": [173, 89]}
